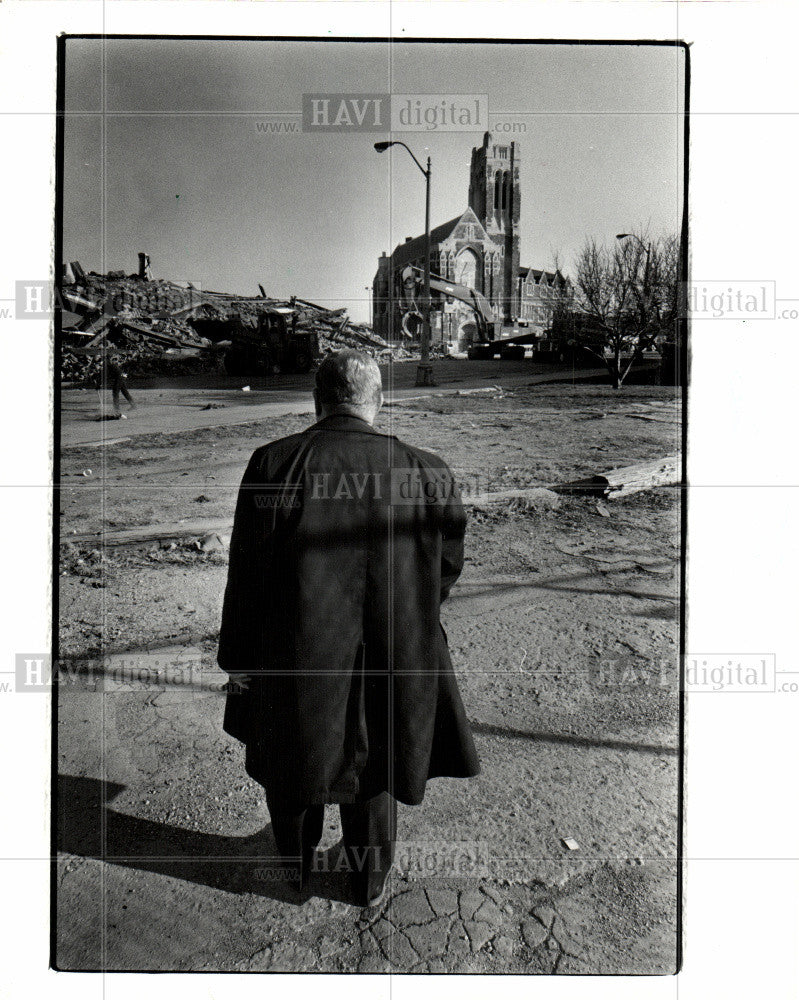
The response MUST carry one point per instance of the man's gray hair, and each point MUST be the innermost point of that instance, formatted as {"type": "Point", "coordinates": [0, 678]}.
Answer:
{"type": "Point", "coordinates": [348, 378]}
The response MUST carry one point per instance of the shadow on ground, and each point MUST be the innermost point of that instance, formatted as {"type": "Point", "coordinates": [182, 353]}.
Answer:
{"type": "Point", "coordinates": [88, 827]}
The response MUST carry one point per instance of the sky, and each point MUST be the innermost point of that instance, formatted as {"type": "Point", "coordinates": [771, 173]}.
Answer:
{"type": "Point", "coordinates": [163, 154]}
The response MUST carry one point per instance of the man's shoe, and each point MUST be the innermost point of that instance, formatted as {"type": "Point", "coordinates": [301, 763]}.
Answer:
{"type": "Point", "coordinates": [378, 895]}
{"type": "Point", "coordinates": [378, 899]}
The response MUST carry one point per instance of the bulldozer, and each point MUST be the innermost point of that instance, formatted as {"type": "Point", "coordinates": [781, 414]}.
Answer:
{"type": "Point", "coordinates": [275, 345]}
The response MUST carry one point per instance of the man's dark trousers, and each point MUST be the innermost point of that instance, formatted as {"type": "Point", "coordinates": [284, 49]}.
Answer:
{"type": "Point", "coordinates": [117, 386]}
{"type": "Point", "coordinates": [369, 832]}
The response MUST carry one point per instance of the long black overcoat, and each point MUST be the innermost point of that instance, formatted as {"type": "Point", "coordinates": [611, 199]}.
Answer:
{"type": "Point", "coordinates": [345, 542]}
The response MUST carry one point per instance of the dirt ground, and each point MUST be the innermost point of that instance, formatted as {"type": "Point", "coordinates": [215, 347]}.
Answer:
{"type": "Point", "coordinates": [564, 634]}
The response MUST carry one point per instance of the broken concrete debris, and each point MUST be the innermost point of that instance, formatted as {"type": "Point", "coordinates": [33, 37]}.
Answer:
{"type": "Point", "coordinates": [213, 542]}
{"type": "Point", "coordinates": [161, 326]}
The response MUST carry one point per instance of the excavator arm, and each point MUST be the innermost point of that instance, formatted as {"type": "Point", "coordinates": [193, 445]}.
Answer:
{"type": "Point", "coordinates": [477, 302]}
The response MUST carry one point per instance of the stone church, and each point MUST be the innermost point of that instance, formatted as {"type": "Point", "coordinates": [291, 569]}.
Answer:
{"type": "Point", "coordinates": [480, 249]}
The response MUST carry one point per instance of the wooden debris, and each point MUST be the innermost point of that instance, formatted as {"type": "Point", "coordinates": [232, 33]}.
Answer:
{"type": "Point", "coordinates": [98, 330]}
{"type": "Point", "coordinates": [630, 479]}
{"type": "Point", "coordinates": [635, 478]}
{"type": "Point", "coordinates": [532, 497]}
{"type": "Point", "coordinates": [80, 304]}
{"type": "Point", "coordinates": [313, 305]}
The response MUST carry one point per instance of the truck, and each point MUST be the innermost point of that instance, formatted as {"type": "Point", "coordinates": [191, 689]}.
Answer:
{"type": "Point", "coordinates": [273, 346]}
{"type": "Point", "coordinates": [507, 348]}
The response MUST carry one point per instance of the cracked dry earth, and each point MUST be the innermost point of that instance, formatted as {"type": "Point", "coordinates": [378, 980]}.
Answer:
{"type": "Point", "coordinates": [166, 859]}
{"type": "Point", "coordinates": [486, 928]}
{"type": "Point", "coordinates": [476, 929]}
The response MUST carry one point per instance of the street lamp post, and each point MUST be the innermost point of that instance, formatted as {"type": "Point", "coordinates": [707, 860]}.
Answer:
{"type": "Point", "coordinates": [647, 247]}
{"type": "Point", "coordinates": [424, 373]}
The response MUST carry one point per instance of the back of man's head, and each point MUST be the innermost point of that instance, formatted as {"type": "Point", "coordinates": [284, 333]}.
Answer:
{"type": "Point", "coordinates": [348, 382]}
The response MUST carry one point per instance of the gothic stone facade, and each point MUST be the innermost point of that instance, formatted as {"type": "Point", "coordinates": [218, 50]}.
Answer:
{"type": "Point", "coordinates": [479, 248]}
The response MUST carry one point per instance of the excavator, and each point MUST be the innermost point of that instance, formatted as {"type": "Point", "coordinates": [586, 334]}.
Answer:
{"type": "Point", "coordinates": [486, 345]}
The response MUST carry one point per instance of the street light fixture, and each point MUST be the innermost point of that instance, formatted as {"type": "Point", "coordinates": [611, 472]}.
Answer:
{"type": "Point", "coordinates": [424, 373]}
{"type": "Point", "coordinates": [631, 236]}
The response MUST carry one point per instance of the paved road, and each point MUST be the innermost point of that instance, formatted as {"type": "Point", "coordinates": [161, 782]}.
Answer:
{"type": "Point", "coordinates": [193, 402]}
{"type": "Point", "coordinates": [398, 375]}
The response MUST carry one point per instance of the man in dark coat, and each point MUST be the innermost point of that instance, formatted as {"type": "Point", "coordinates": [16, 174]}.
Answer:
{"type": "Point", "coordinates": [110, 376]}
{"type": "Point", "coordinates": [345, 542]}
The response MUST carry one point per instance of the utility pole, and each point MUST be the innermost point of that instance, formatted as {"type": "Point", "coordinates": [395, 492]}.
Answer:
{"type": "Point", "coordinates": [424, 373]}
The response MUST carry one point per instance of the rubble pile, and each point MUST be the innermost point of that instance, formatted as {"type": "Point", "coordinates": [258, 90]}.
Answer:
{"type": "Point", "coordinates": [335, 330]}
{"type": "Point", "coordinates": [158, 326]}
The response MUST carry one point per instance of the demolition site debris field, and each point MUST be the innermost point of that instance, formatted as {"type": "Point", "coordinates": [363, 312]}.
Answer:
{"type": "Point", "coordinates": [564, 634]}
{"type": "Point", "coordinates": [163, 327]}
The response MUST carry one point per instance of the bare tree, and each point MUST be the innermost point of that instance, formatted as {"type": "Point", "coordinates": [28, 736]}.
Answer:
{"type": "Point", "coordinates": [625, 299]}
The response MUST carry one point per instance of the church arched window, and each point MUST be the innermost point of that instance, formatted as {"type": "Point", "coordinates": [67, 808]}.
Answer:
{"type": "Point", "coordinates": [497, 188]}
{"type": "Point", "coordinates": [466, 268]}
{"type": "Point", "coordinates": [505, 185]}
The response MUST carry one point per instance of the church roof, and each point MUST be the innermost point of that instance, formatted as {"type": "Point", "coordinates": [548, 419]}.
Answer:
{"type": "Point", "coordinates": [551, 276]}
{"type": "Point", "coordinates": [411, 249]}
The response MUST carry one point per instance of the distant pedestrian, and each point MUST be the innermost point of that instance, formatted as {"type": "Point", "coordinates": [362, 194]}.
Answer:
{"type": "Point", "coordinates": [111, 376]}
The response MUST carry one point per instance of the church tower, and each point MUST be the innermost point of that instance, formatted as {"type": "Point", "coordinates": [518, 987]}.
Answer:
{"type": "Point", "coordinates": [495, 198]}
